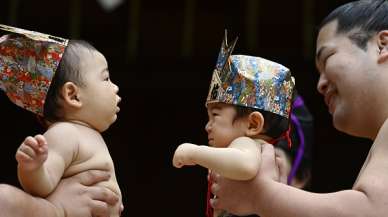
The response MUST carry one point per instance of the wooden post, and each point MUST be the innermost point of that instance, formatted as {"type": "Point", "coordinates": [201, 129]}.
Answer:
{"type": "Point", "coordinates": [188, 29]}
{"type": "Point", "coordinates": [308, 30]}
{"type": "Point", "coordinates": [133, 29]}
{"type": "Point", "coordinates": [13, 12]}
{"type": "Point", "coordinates": [75, 19]}
{"type": "Point", "coordinates": [252, 25]}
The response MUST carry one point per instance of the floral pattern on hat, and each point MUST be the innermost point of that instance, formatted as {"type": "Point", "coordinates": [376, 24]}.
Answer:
{"type": "Point", "coordinates": [28, 62]}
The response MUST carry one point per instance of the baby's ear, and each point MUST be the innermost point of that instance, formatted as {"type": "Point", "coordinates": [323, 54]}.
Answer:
{"type": "Point", "coordinates": [256, 123]}
{"type": "Point", "coordinates": [382, 42]}
{"type": "Point", "coordinates": [70, 92]}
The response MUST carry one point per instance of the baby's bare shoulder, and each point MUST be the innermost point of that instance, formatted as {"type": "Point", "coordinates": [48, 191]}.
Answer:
{"type": "Point", "coordinates": [62, 128]}
{"type": "Point", "coordinates": [244, 142]}
{"type": "Point", "coordinates": [62, 134]}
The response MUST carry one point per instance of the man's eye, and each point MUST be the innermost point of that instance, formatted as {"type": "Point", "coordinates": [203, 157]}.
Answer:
{"type": "Point", "coordinates": [326, 58]}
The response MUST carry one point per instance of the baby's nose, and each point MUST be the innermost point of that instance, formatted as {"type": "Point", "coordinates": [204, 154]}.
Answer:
{"type": "Point", "coordinates": [207, 127]}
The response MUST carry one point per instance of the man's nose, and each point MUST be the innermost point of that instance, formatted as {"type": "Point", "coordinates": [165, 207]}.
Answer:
{"type": "Point", "coordinates": [323, 83]}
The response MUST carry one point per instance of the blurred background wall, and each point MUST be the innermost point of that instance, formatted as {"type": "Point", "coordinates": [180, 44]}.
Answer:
{"type": "Point", "coordinates": [161, 54]}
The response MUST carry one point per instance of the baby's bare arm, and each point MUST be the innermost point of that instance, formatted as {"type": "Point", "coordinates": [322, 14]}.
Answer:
{"type": "Point", "coordinates": [239, 161]}
{"type": "Point", "coordinates": [62, 145]}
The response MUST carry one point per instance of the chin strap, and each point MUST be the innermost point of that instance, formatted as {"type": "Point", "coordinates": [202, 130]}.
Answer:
{"type": "Point", "coordinates": [285, 135]}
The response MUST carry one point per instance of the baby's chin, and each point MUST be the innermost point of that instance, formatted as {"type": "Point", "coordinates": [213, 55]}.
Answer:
{"type": "Point", "coordinates": [114, 119]}
{"type": "Point", "coordinates": [106, 126]}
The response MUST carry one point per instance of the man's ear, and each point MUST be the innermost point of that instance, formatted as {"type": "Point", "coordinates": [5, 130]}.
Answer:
{"type": "Point", "coordinates": [382, 42]}
{"type": "Point", "coordinates": [70, 92]}
{"type": "Point", "coordinates": [255, 124]}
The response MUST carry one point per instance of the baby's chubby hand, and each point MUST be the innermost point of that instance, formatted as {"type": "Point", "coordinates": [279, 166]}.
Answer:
{"type": "Point", "coordinates": [183, 155]}
{"type": "Point", "coordinates": [32, 153]}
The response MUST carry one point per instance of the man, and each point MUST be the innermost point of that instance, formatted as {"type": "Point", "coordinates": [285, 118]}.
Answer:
{"type": "Point", "coordinates": [352, 59]}
{"type": "Point", "coordinates": [76, 195]}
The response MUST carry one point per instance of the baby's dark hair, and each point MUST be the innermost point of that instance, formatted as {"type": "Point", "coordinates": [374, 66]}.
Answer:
{"type": "Point", "coordinates": [67, 71]}
{"type": "Point", "coordinates": [274, 125]}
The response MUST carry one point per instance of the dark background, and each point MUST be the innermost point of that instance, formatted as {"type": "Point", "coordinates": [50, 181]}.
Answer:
{"type": "Point", "coordinates": [161, 54]}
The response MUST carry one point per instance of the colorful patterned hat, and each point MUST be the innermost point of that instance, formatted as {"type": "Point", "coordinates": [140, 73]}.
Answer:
{"type": "Point", "coordinates": [28, 62]}
{"type": "Point", "coordinates": [250, 81]}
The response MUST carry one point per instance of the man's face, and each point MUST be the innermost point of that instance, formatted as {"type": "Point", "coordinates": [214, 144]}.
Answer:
{"type": "Point", "coordinates": [347, 73]}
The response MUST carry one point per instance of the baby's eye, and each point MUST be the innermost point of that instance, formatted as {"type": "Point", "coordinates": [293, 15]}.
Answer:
{"type": "Point", "coordinates": [106, 79]}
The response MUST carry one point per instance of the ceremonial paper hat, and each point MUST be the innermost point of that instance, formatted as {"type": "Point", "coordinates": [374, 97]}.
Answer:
{"type": "Point", "coordinates": [28, 62]}
{"type": "Point", "coordinates": [252, 82]}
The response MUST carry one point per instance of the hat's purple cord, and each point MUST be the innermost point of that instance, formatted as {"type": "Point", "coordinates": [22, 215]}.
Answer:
{"type": "Point", "coordinates": [295, 165]}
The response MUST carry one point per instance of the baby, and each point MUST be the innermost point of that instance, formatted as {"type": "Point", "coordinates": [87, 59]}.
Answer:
{"type": "Point", "coordinates": [248, 104]}
{"type": "Point", "coordinates": [67, 84]}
